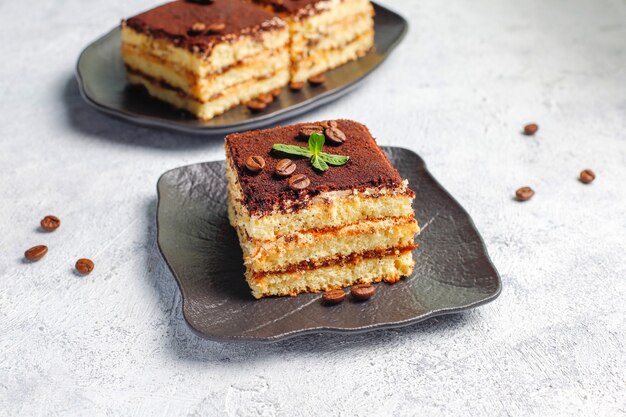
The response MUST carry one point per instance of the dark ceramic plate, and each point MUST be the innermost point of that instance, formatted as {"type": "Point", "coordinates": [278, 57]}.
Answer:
{"type": "Point", "coordinates": [453, 270]}
{"type": "Point", "coordinates": [102, 81]}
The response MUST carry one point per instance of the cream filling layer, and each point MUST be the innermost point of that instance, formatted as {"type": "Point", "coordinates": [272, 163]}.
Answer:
{"type": "Point", "coordinates": [388, 268]}
{"type": "Point", "coordinates": [207, 110]}
{"type": "Point", "coordinates": [205, 88]}
{"type": "Point", "coordinates": [315, 246]}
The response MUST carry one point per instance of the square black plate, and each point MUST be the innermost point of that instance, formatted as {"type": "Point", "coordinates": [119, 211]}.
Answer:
{"type": "Point", "coordinates": [102, 82]}
{"type": "Point", "coordinates": [453, 270]}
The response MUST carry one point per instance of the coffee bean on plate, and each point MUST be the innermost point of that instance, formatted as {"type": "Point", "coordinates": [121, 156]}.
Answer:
{"type": "Point", "coordinates": [285, 167]}
{"type": "Point", "coordinates": [266, 98]}
{"type": "Point", "coordinates": [333, 296]}
{"type": "Point", "coordinates": [299, 182]}
{"type": "Point", "coordinates": [524, 193]}
{"type": "Point", "coordinates": [363, 292]}
{"type": "Point", "coordinates": [530, 129]}
{"type": "Point", "coordinates": [255, 163]}
{"type": "Point", "coordinates": [296, 85]}
{"type": "Point", "coordinates": [84, 266]}
{"type": "Point", "coordinates": [317, 79]}
{"type": "Point", "coordinates": [50, 223]}
{"type": "Point", "coordinates": [36, 253]}
{"type": "Point", "coordinates": [256, 105]}
{"type": "Point", "coordinates": [587, 176]}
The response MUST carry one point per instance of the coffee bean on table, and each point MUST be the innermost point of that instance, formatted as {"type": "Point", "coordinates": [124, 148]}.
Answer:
{"type": "Point", "coordinates": [317, 79]}
{"type": "Point", "coordinates": [333, 296]}
{"type": "Point", "coordinates": [255, 163]}
{"type": "Point", "coordinates": [299, 182]}
{"type": "Point", "coordinates": [36, 253]}
{"type": "Point", "coordinates": [334, 135]}
{"type": "Point", "coordinates": [285, 167]}
{"type": "Point", "coordinates": [524, 193]}
{"type": "Point", "coordinates": [307, 130]}
{"type": "Point", "coordinates": [256, 105]}
{"type": "Point", "coordinates": [50, 223]}
{"type": "Point", "coordinates": [296, 85]}
{"type": "Point", "coordinates": [363, 292]}
{"type": "Point", "coordinates": [587, 176]}
{"type": "Point", "coordinates": [530, 129]}
{"type": "Point", "coordinates": [84, 266]}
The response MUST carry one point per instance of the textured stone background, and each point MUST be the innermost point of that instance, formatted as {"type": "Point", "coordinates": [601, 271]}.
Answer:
{"type": "Point", "coordinates": [458, 90]}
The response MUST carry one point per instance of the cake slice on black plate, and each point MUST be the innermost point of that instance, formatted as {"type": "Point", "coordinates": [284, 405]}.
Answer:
{"type": "Point", "coordinates": [206, 58]}
{"type": "Point", "coordinates": [318, 206]}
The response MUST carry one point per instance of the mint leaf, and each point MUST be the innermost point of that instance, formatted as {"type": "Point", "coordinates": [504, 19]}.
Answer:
{"type": "Point", "coordinates": [333, 159]}
{"type": "Point", "coordinates": [316, 143]}
{"type": "Point", "coordinates": [319, 163]}
{"type": "Point", "coordinates": [292, 150]}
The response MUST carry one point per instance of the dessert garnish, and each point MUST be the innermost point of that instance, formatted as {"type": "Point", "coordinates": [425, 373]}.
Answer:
{"type": "Point", "coordinates": [332, 297]}
{"type": "Point", "coordinates": [363, 292]}
{"type": "Point", "coordinates": [255, 163]}
{"type": "Point", "coordinates": [285, 167]}
{"type": "Point", "coordinates": [320, 160]}
{"type": "Point", "coordinates": [299, 182]}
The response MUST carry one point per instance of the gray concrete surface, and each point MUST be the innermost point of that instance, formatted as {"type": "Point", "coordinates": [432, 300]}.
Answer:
{"type": "Point", "coordinates": [457, 91]}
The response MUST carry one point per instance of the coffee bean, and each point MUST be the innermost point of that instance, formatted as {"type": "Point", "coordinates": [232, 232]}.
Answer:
{"type": "Point", "coordinates": [362, 292]}
{"type": "Point", "coordinates": [36, 253]}
{"type": "Point", "coordinates": [266, 98]}
{"type": "Point", "coordinates": [330, 123]}
{"type": "Point", "coordinates": [333, 296]}
{"type": "Point", "coordinates": [299, 182]}
{"type": "Point", "coordinates": [256, 105]}
{"type": "Point", "coordinates": [285, 167]}
{"type": "Point", "coordinates": [307, 130]}
{"type": "Point", "coordinates": [530, 129]}
{"type": "Point", "coordinates": [296, 85]}
{"type": "Point", "coordinates": [50, 223]}
{"type": "Point", "coordinates": [524, 194]}
{"type": "Point", "coordinates": [587, 176]}
{"type": "Point", "coordinates": [334, 135]}
{"type": "Point", "coordinates": [275, 92]}
{"type": "Point", "coordinates": [84, 266]}
{"type": "Point", "coordinates": [216, 28]}
{"type": "Point", "coordinates": [255, 163]}
{"type": "Point", "coordinates": [317, 79]}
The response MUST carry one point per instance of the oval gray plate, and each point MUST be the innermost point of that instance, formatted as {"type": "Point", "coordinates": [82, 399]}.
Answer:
{"type": "Point", "coordinates": [102, 82]}
{"type": "Point", "coordinates": [453, 270]}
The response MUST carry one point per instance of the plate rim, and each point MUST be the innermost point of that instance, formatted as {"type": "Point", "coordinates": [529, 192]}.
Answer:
{"type": "Point", "coordinates": [329, 329]}
{"type": "Point", "coordinates": [257, 122]}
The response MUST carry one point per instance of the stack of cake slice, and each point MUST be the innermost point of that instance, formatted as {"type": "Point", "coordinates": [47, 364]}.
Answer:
{"type": "Point", "coordinates": [302, 229]}
{"type": "Point", "coordinates": [206, 58]}
{"type": "Point", "coordinates": [325, 33]}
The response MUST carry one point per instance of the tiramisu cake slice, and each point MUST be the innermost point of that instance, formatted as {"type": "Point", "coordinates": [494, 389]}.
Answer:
{"type": "Point", "coordinates": [206, 56]}
{"type": "Point", "coordinates": [324, 33]}
{"type": "Point", "coordinates": [317, 207]}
